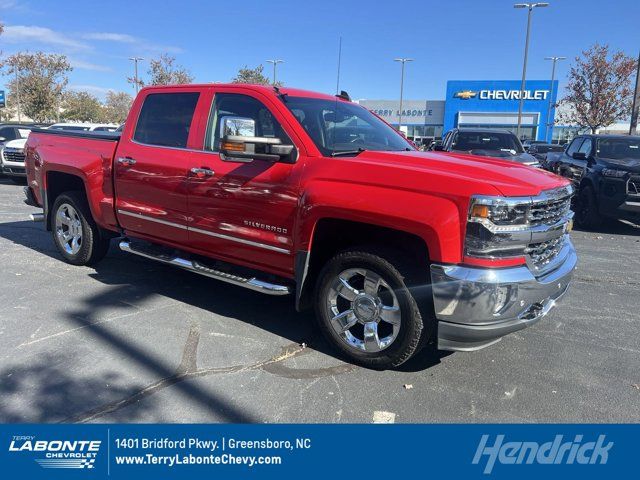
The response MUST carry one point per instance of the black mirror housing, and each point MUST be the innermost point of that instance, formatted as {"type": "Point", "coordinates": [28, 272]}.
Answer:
{"type": "Point", "coordinates": [579, 156]}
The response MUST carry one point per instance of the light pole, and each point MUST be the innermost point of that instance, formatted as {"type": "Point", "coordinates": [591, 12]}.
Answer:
{"type": "Point", "coordinates": [135, 61]}
{"type": "Point", "coordinates": [18, 95]}
{"type": "Point", "coordinates": [402, 61]}
{"type": "Point", "coordinates": [529, 7]}
{"type": "Point", "coordinates": [275, 63]}
{"type": "Point", "coordinates": [635, 108]}
{"type": "Point", "coordinates": [553, 78]}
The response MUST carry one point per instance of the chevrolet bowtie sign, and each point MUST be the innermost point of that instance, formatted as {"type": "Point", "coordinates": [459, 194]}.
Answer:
{"type": "Point", "coordinates": [465, 94]}
{"type": "Point", "coordinates": [503, 94]}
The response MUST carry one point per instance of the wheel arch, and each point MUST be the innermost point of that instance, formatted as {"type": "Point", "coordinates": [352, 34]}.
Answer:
{"type": "Point", "coordinates": [58, 182]}
{"type": "Point", "coordinates": [324, 244]}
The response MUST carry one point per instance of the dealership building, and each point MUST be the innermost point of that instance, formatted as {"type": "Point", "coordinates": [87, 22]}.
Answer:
{"type": "Point", "coordinates": [479, 103]}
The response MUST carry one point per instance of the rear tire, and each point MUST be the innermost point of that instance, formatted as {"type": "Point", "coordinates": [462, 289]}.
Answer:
{"type": "Point", "coordinates": [365, 308]}
{"type": "Point", "coordinates": [77, 237]}
{"type": "Point", "coordinates": [587, 214]}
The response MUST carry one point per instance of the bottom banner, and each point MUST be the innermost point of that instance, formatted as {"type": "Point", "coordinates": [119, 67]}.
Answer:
{"type": "Point", "coordinates": [316, 451]}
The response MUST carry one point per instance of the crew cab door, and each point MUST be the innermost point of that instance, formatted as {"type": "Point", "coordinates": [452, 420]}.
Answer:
{"type": "Point", "coordinates": [152, 164]}
{"type": "Point", "coordinates": [243, 210]}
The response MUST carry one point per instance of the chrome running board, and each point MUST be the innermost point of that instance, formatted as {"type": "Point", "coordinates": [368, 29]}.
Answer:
{"type": "Point", "coordinates": [194, 266]}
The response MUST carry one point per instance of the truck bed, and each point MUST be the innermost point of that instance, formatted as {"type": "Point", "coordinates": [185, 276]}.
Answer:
{"type": "Point", "coordinates": [84, 156]}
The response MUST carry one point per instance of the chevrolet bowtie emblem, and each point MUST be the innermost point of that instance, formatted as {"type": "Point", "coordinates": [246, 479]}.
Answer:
{"type": "Point", "coordinates": [465, 94]}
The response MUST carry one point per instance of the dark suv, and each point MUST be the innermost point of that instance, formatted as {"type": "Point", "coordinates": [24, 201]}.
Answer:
{"type": "Point", "coordinates": [606, 170]}
{"type": "Point", "coordinates": [497, 143]}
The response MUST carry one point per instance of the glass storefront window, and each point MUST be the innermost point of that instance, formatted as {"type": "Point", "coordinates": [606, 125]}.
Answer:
{"type": "Point", "coordinates": [526, 132]}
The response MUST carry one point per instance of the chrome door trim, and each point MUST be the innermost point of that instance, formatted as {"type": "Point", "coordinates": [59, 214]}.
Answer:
{"type": "Point", "coordinates": [152, 219]}
{"type": "Point", "coordinates": [205, 232]}
{"type": "Point", "coordinates": [240, 240]}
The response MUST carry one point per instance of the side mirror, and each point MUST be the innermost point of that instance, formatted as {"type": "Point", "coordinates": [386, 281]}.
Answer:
{"type": "Point", "coordinates": [238, 148]}
{"type": "Point", "coordinates": [579, 156]}
{"type": "Point", "coordinates": [2, 139]}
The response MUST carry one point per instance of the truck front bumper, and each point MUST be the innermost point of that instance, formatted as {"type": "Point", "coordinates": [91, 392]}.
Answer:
{"type": "Point", "coordinates": [476, 307]}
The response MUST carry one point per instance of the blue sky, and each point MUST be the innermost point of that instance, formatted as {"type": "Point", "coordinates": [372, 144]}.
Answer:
{"type": "Point", "coordinates": [453, 39]}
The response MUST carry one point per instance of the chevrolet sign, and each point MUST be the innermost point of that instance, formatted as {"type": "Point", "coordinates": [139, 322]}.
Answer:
{"type": "Point", "coordinates": [503, 94]}
{"type": "Point", "coordinates": [465, 94]}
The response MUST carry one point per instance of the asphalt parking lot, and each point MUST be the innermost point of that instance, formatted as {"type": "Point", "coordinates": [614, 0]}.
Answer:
{"type": "Point", "coordinates": [135, 341]}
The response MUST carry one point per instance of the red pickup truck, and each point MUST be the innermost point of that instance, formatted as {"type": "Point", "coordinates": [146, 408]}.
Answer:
{"type": "Point", "coordinates": [286, 191]}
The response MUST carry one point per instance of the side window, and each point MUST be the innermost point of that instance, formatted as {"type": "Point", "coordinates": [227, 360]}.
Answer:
{"type": "Point", "coordinates": [575, 145]}
{"type": "Point", "coordinates": [165, 119]}
{"type": "Point", "coordinates": [8, 133]}
{"type": "Point", "coordinates": [251, 118]}
{"type": "Point", "coordinates": [586, 147]}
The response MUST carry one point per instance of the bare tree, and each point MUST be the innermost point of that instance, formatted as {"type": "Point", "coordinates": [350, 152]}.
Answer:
{"type": "Point", "coordinates": [117, 106]}
{"type": "Point", "coordinates": [254, 76]}
{"type": "Point", "coordinates": [41, 78]}
{"type": "Point", "coordinates": [599, 90]}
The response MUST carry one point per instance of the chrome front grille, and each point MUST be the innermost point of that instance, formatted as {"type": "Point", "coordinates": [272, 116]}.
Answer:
{"type": "Point", "coordinates": [550, 211]}
{"type": "Point", "coordinates": [633, 186]}
{"type": "Point", "coordinates": [13, 155]}
{"type": "Point", "coordinates": [544, 252]}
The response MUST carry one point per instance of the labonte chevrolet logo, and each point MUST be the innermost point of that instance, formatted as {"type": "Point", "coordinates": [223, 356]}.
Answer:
{"type": "Point", "coordinates": [77, 454]}
{"type": "Point", "coordinates": [466, 94]}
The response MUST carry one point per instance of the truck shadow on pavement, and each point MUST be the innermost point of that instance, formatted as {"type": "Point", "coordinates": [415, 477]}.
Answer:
{"type": "Point", "coordinates": [614, 227]}
{"type": "Point", "coordinates": [131, 280]}
{"type": "Point", "coordinates": [47, 392]}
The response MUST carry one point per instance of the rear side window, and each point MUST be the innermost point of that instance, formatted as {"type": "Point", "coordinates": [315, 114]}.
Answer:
{"type": "Point", "coordinates": [165, 119]}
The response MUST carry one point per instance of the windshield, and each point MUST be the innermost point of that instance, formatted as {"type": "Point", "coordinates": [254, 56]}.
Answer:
{"type": "Point", "coordinates": [338, 126]}
{"type": "Point", "coordinates": [619, 148]}
{"type": "Point", "coordinates": [504, 142]}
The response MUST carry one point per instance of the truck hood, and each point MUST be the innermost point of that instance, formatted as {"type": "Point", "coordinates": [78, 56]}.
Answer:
{"type": "Point", "coordinates": [507, 177]}
{"type": "Point", "coordinates": [19, 143]}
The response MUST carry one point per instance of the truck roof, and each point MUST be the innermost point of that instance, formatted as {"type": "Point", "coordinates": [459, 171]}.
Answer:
{"type": "Point", "coordinates": [266, 89]}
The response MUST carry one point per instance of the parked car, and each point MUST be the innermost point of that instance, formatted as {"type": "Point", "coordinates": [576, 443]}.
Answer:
{"type": "Point", "coordinates": [540, 150]}
{"type": "Point", "coordinates": [9, 132]}
{"type": "Point", "coordinates": [285, 191]}
{"type": "Point", "coordinates": [12, 160]}
{"type": "Point", "coordinates": [605, 170]}
{"type": "Point", "coordinates": [527, 144]}
{"type": "Point", "coordinates": [487, 143]}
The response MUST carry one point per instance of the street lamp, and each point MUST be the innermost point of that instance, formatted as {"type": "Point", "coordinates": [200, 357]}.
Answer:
{"type": "Point", "coordinates": [275, 63]}
{"type": "Point", "coordinates": [553, 77]}
{"type": "Point", "coordinates": [529, 7]}
{"type": "Point", "coordinates": [135, 61]}
{"type": "Point", "coordinates": [402, 61]}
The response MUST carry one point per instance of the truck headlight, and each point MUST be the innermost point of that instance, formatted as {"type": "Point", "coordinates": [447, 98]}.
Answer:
{"type": "Point", "coordinates": [612, 172]}
{"type": "Point", "coordinates": [497, 227]}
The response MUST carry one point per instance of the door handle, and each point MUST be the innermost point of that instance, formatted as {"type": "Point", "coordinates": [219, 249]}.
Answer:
{"type": "Point", "coordinates": [126, 161]}
{"type": "Point", "coordinates": [202, 172]}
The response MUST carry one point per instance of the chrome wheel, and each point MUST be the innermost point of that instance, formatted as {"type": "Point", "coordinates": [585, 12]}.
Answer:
{"type": "Point", "coordinates": [364, 310]}
{"type": "Point", "coordinates": [69, 229]}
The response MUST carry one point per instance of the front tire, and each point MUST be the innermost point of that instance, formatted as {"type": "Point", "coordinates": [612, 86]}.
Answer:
{"type": "Point", "coordinates": [75, 234]}
{"type": "Point", "coordinates": [365, 308]}
{"type": "Point", "coordinates": [587, 214]}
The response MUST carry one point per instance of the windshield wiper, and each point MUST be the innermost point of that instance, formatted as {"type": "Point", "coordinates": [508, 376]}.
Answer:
{"type": "Point", "coordinates": [340, 153]}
